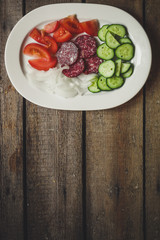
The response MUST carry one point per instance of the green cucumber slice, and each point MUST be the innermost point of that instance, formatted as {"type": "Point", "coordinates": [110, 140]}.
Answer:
{"type": "Point", "coordinates": [104, 52]}
{"type": "Point", "coordinates": [102, 32]}
{"type": "Point", "coordinates": [111, 41]}
{"type": "Point", "coordinates": [128, 73]}
{"type": "Point", "coordinates": [117, 29]}
{"type": "Point", "coordinates": [118, 67]}
{"type": "Point", "coordinates": [125, 67]}
{"type": "Point", "coordinates": [102, 84]}
{"type": "Point", "coordinates": [107, 68]}
{"type": "Point", "coordinates": [94, 86]}
{"type": "Point", "coordinates": [125, 40]}
{"type": "Point", "coordinates": [125, 51]}
{"type": "Point", "coordinates": [115, 82]}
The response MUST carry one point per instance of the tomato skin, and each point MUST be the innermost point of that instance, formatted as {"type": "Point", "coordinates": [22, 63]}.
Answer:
{"type": "Point", "coordinates": [51, 27]}
{"type": "Point", "coordinates": [43, 64]}
{"type": "Point", "coordinates": [71, 24]}
{"type": "Point", "coordinates": [91, 27]}
{"type": "Point", "coordinates": [51, 44]}
{"type": "Point", "coordinates": [37, 50]}
{"type": "Point", "coordinates": [43, 33]}
{"type": "Point", "coordinates": [62, 35]}
{"type": "Point", "coordinates": [37, 35]}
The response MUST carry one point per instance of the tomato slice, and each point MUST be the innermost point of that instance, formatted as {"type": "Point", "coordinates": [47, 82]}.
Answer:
{"type": "Point", "coordinates": [91, 27]}
{"type": "Point", "coordinates": [51, 44]}
{"type": "Point", "coordinates": [43, 64]}
{"type": "Point", "coordinates": [71, 24]}
{"type": "Point", "coordinates": [51, 27]}
{"type": "Point", "coordinates": [37, 50]}
{"type": "Point", "coordinates": [37, 35]}
{"type": "Point", "coordinates": [41, 37]}
{"type": "Point", "coordinates": [43, 33]}
{"type": "Point", "coordinates": [62, 35]}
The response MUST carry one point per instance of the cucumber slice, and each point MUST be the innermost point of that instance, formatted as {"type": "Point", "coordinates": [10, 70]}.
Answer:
{"type": "Point", "coordinates": [102, 32]}
{"type": "Point", "coordinates": [107, 68]}
{"type": "Point", "coordinates": [94, 86]}
{"type": "Point", "coordinates": [117, 29]}
{"type": "Point", "coordinates": [111, 41]}
{"type": "Point", "coordinates": [125, 67]}
{"type": "Point", "coordinates": [128, 73]}
{"type": "Point", "coordinates": [118, 67]}
{"type": "Point", "coordinates": [102, 84]}
{"type": "Point", "coordinates": [125, 40]}
{"type": "Point", "coordinates": [125, 51]}
{"type": "Point", "coordinates": [104, 52]}
{"type": "Point", "coordinates": [115, 82]}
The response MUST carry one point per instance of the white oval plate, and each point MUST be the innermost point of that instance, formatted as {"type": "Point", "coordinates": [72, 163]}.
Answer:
{"type": "Point", "coordinates": [105, 14]}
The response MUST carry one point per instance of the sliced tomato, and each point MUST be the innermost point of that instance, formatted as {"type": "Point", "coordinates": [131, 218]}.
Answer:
{"type": "Point", "coordinates": [37, 35]}
{"type": "Point", "coordinates": [62, 35]}
{"type": "Point", "coordinates": [43, 33]}
{"type": "Point", "coordinates": [71, 24]}
{"type": "Point", "coordinates": [37, 50]}
{"type": "Point", "coordinates": [41, 37]}
{"type": "Point", "coordinates": [51, 44]}
{"type": "Point", "coordinates": [43, 64]}
{"type": "Point", "coordinates": [51, 27]}
{"type": "Point", "coordinates": [91, 27]}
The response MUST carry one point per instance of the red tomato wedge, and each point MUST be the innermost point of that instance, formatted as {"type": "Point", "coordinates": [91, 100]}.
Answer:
{"type": "Point", "coordinates": [91, 27]}
{"type": "Point", "coordinates": [62, 35]}
{"type": "Point", "coordinates": [42, 64]}
{"type": "Point", "coordinates": [51, 44]}
{"type": "Point", "coordinates": [71, 24]}
{"type": "Point", "coordinates": [51, 27]}
{"type": "Point", "coordinates": [43, 33]}
{"type": "Point", "coordinates": [37, 35]}
{"type": "Point", "coordinates": [41, 37]}
{"type": "Point", "coordinates": [37, 50]}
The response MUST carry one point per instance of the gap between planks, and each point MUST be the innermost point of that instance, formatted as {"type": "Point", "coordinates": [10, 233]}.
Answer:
{"type": "Point", "coordinates": [84, 173]}
{"type": "Point", "coordinates": [24, 156]}
{"type": "Point", "coordinates": [144, 143]}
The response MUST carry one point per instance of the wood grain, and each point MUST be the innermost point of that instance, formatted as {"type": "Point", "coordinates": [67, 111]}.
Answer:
{"type": "Point", "coordinates": [133, 7]}
{"type": "Point", "coordinates": [152, 119]}
{"type": "Point", "coordinates": [11, 136]}
{"type": "Point", "coordinates": [114, 165]}
{"type": "Point", "coordinates": [54, 170]}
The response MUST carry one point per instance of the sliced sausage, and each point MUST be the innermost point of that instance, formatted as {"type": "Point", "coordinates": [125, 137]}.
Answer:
{"type": "Point", "coordinates": [86, 45]}
{"type": "Point", "coordinates": [92, 64]}
{"type": "Point", "coordinates": [67, 54]}
{"type": "Point", "coordinates": [75, 69]}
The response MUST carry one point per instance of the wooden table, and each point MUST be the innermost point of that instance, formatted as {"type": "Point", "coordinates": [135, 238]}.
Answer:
{"type": "Point", "coordinates": [80, 175]}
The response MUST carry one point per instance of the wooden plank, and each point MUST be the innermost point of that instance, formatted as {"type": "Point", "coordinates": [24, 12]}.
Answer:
{"type": "Point", "coordinates": [152, 14]}
{"type": "Point", "coordinates": [129, 7]}
{"type": "Point", "coordinates": [11, 136]}
{"type": "Point", "coordinates": [54, 170]}
{"type": "Point", "coordinates": [114, 165]}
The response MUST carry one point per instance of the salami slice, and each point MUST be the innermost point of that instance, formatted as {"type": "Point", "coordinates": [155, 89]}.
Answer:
{"type": "Point", "coordinates": [86, 45]}
{"type": "Point", "coordinates": [92, 64]}
{"type": "Point", "coordinates": [67, 54]}
{"type": "Point", "coordinates": [75, 69]}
